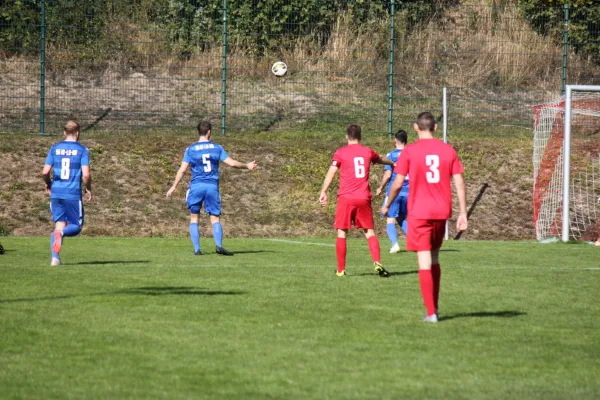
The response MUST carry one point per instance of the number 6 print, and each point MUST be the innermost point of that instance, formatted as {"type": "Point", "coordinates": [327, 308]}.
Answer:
{"type": "Point", "coordinates": [359, 167]}
{"type": "Point", "coordinates": [433, 162]}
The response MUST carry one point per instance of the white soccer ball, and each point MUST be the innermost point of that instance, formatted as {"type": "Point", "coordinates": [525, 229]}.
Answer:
{"type": "Point", "coordinates": [279, 68]}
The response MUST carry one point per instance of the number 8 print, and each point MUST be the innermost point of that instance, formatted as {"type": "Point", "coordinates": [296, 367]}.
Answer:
{"type": "Point", "coordinates": [433, 162]}
{"type": "Point", "coordinates": [65, 168]}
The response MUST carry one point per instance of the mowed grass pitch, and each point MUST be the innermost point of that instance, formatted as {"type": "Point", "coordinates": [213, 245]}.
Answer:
{"type": "Point", "coordinates": [144, 318]}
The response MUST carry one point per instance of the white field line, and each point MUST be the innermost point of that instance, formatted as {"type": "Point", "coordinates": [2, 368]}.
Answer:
{"type": "Point", "coordinates": [297, 242]}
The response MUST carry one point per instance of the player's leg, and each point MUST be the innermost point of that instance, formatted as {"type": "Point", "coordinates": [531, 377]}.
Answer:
{"type": "Point", "coordinates": [418, 239]}
{"type": "Point", "coordinates": [193, 199]}
{"type": "Point", "coordinates": [438, 232]}
{"type": "Point", "coordinates": [212, 206]}
{"type": "Point", "coordinates": [74, 210]}
{"type": "Point", "coordinates": [59, 217]}
{"type": "Point", "coordinates": [194, 230]}
{"type": "Point", "coordinates": [340, 251]}
{"type": "Point", "coordinates": [390, 227]}
{"type": "Point", "coordinates": [402, 218]}
{"type": "Point", "coordinates": [344, 212]}
{"type": "Point", "coordinates": [364, 219]}
{"type": "Point", "coordinates": [436, 275]}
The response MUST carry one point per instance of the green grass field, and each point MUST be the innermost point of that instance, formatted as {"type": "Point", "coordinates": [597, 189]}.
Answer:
{"type": "Point", "coordinates": [144, 318]}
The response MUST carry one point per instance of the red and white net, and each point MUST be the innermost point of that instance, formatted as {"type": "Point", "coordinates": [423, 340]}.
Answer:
{"type": "Point", "coordinates": [548, 157]}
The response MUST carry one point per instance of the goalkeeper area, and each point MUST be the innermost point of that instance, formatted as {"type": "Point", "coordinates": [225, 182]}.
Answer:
{"type": "Point", "coordinates": [146, 319]}
{"type": "Point", "coordinates": [566, 161]}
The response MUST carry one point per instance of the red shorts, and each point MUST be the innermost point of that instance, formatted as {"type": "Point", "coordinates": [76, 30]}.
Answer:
{"type": "Point", "coordinates": [353, 211]}
{"type": "Point", "coordinates": [425, 234]}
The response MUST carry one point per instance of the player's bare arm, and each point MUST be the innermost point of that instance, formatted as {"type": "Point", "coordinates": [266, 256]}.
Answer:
{"type": "Point", "coordinates": [87, 181]}
{"type": "Point", "coordinates": [461, 223]}
{"type": "Point", "coordinates": [326, 183]}
{"type": "Point", "coordinates": [46, 177]}
{"type": "Point", "coordinates": [384, 161]}
{"type": "Point", "coordinates": [180, 173]}
{"type": "Point", "coordinates": [236, 164]}
{"type": "Point", "coordinates": [387, 175]}
{"type": "Point", "coordinates": [394, 190]}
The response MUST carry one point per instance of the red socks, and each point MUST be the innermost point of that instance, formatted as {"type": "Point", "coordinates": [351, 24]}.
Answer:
{"type": "Point", "coordinates": [374, 248]}
{"type": "Point", "coordinates": [340, 252]}
{"type": "Point", "coordinates": [436, 274]}
{"type": "Point", "coordinates": [426, 280]}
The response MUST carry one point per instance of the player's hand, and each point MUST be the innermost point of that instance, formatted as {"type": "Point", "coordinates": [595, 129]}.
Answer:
{"type": "Point", "coordinates": [323, 199]}
{"type": "Point", "coordinates": [170, 192]}
{"type": "Point", "coordinates": [378, 191]}
{"type": "Point", "coordinates": [48, 190]}
{"type": "Point", "coordinates": [89, 195]}
{"type": "Point", "coordinates": [251, 165]}
{"type": "Point", "coordinates": [462, 223]}
{"type": "Point", "coordinates": [384, 210]}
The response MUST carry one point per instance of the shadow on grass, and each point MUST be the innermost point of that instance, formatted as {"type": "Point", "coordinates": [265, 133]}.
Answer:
{"type": "Point", "coordinates": [108, 262]}
{"type": "Point", "coordinates": [253, 251]}
{"type": "Point", "coordinates": [392, 273]}
{"type": "Point", "coordinates": [146, 291]}
{"type": "Point", "coordinates": [484, 314]}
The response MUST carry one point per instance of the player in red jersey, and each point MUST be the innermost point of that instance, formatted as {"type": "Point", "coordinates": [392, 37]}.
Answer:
{"type": "Point", "coordinates": [354, 196]}
{"type": "Point", "coordinates": [430, 163]}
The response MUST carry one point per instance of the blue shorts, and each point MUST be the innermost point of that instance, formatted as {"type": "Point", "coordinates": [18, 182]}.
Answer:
{"type": "Point", "coordinates": [204, 195]}
{"type": "Point", "coordinates": [70, 211]}
{"type": "Point", "coordinates": [398, 207]}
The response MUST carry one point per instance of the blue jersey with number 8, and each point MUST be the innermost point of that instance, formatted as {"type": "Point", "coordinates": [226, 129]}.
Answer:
{"type": "Point", "coordinates": [66, 159]}
{"type": "Point", "coordinates": [204, 158]}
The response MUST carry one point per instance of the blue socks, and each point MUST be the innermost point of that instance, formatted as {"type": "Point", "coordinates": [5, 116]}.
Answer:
{"type": "Point", "coordinates": [218, 234]}
{"type": "Point", "coordinates": [195, 235]}
{"type": "Point", "coordinates": [392, 233]}
{"type": "Point", "coordinates": [404, 224]}
{"type": "Point", "coordinates": [71, 230]}
{"type": "Point", "coordinates": [54, 255]}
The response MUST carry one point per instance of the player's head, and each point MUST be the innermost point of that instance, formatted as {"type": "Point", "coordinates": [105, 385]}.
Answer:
{"type": "Point", "coordinates": [71, 130]}
{"type": "Point", "coordinates": [204, 129]}
{"type": "Point", "coordinates": [400, 137]}
{"type": "Point", "coordinates": [425, 123]}
{"type": "Point", "coordinates": [353, 133]}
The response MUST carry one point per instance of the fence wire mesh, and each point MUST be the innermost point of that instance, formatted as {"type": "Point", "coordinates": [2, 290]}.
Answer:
{"type": "Point", "coordinates": [162, 63]}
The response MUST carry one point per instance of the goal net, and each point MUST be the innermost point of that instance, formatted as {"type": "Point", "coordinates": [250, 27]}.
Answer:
{"type": "Point", "coordinates": [584, 176]}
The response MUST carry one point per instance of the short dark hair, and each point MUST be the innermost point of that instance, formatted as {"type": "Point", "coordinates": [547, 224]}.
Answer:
{"type": "Point", "coordinates": [204, 127]}
{"type": "Point", "coordinates": [426, 122]}
{"type": "Point", "coordinates": [354, 132]}
{"type": "Point", "coordinates": [71, 127]}
{"type": "Point", "coordinates": [401, 136]}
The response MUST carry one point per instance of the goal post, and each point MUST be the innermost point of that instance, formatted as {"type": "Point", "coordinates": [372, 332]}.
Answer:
{"type": "Point", "coordinates": [566, 160]}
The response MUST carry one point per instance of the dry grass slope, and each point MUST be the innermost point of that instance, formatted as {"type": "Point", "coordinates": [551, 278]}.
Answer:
{"type": "Point", "coordinates": [132, 173]}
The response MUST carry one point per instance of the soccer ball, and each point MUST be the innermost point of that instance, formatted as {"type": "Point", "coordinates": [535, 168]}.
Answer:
{"type": "Point", "coordinates": [279, 68]}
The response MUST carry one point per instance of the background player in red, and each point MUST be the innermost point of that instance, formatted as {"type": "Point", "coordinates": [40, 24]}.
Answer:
{"type": "Point", "coordinates": [430, 163]}
{"type": "Point", "coordinates": [354, 196]}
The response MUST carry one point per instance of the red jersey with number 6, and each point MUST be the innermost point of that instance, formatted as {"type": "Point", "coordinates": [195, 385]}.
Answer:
{"type": "Point", "coordinates": [354, 162]}
{"type": "Point", "coordinates": [431, 164]}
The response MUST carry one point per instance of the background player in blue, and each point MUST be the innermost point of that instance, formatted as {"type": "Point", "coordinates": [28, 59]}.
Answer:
{"type": "Point", "coordinates": [204, 157]}
{"type": "Point", "coordinates": [71, 163]}
{"type": "Point", "coordinates": [398, 210]}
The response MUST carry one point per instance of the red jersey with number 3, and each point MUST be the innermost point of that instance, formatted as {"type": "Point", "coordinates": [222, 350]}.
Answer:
{"type": "Point", "coordinates": [431, 164]}
{"type": "Point", "coordinates": [354, 162]}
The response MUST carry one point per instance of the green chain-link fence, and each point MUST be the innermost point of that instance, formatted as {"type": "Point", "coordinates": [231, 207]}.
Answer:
{"type": "Point", "coordinates": [167, 63]}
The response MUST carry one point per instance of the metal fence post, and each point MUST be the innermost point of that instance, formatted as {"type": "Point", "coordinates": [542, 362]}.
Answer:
{"type": "Point", "coordinates": [42, 67]}
{"type": "Point", "coordinates": [391, 74]}
{"type": "Point", "coordinates": [565, 47]}
{"type": "Point", "coordinates": [224, 72]}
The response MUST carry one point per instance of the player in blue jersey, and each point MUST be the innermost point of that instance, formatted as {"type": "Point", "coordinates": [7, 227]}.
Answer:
{"type": "Point", "coordinates": [398, 210]}
{"type": "Point", "coordinates": [71, 164]}
{"type": "Point", "coordinates": [203, 157]}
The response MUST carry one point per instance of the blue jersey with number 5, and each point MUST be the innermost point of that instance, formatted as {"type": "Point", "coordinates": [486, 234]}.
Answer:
{"type": "Point", "coordinates": [393, 156]}
{"type": "Point", "coordinates": [66, 159]}
{"type": "Point", "coordinates": [204, 158]}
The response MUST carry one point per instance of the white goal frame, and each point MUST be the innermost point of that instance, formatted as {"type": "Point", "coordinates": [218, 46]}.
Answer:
{"type": "Point", "coordinates": [569, 89]}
